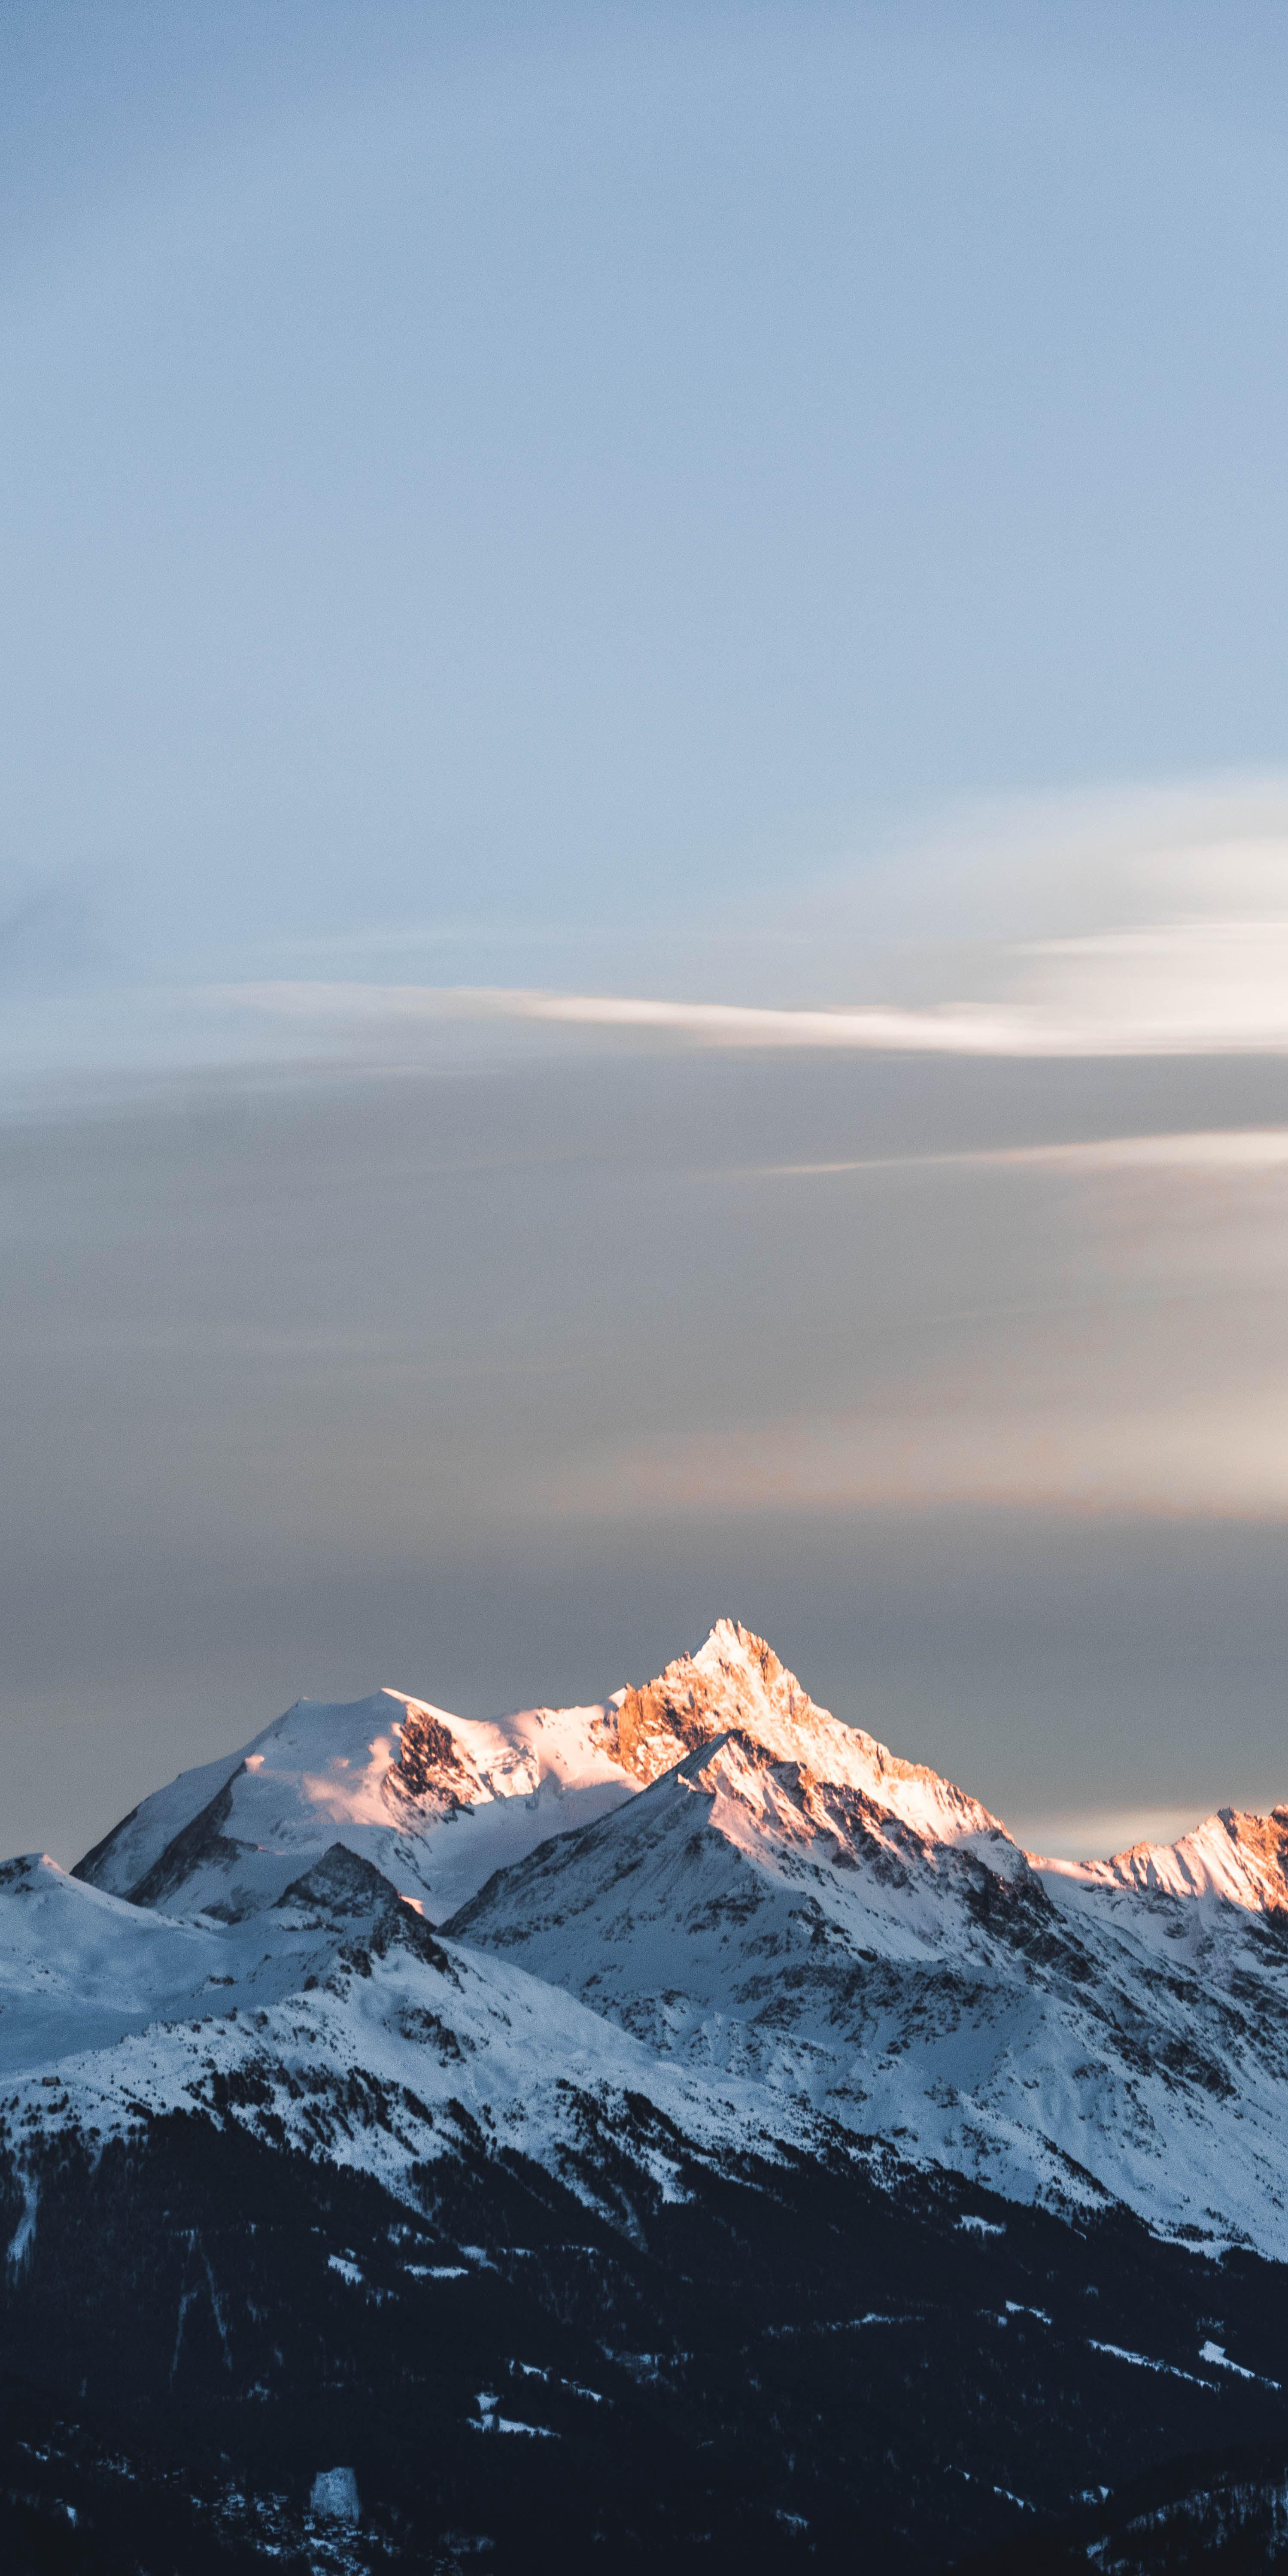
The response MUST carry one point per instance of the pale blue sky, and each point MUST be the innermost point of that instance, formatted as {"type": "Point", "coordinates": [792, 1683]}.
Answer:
{"type": "Point", "coordinates": [486, 470]}
{"type": "Point", "coordinates": [759, 505]}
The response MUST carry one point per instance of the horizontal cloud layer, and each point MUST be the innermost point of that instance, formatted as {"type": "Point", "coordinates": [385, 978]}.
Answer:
{"type": "Point", "coordinates": [1217, 1149]}
{"type": "Point", "coordinates": [1181, 988]}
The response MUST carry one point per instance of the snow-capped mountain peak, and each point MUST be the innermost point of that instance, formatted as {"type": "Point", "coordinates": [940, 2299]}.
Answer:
{"type": "Point", "coordinates": [391, 1776]}
{"type": "Point", "coordinates": [736, 1682]}
{"type": "Point", "coordinates": [1240, 1857]}
{"type": "Point", "coordinates": [600, 1962]}
{"type": "Point", "coordinates": [440, 1802]}
{"type": "Point", "coordinates": [755, 1899]}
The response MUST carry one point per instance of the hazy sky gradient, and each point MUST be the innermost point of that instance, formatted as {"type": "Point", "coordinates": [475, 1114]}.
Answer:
{"type": "Point", "coordinates": [644, 889]}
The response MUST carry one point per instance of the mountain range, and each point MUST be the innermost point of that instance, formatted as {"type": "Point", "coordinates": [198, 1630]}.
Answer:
{"type": "Point", "coordinates": [675, 2124]}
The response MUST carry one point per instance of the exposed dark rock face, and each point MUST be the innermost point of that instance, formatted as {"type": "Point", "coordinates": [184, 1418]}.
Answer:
{"type": "Point", "coordinates": [427, 1762]}
{"type": "Point", "coordinates": [343, 1889]}
{"type": "Point", "coordinates": [87, 1867]}
{"type": "Point", "coordinates": [202, 1840]}
{"type": "Point", "coordinates": [341, 1885]}
{"type": "Point", "coordinates": [687, 1706]}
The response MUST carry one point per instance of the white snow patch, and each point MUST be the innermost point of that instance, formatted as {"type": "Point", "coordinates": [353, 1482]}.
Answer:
{"type": "Point", "coordinates": [1004, 2492]}
{"type": "Point", "coordinates": [1217, 2355]}
{"type": "Point", "coordinates": [335, 2495]}
{"type": "Point", "coordinates": [1146, 2361]}
{"type": "Point", "coordinates": [534, 2370]}
{"type": "Point", "coordinates": [24, 2234]}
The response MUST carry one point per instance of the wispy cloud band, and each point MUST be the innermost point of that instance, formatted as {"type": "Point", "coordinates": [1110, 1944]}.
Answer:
{"type": "Point", "coordinates": [1219, 1149]}
{"type": "Point", "coordinates": [1177, 989]}
{"type": "Point", "coordinates": [1210, 1461]}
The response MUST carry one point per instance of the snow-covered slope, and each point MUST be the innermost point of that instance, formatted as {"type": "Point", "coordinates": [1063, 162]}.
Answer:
{"type": "Point", "coordinates": [439, 1803]}
{"type": "Point", "coordinates": [336, 2022]}
{"type": "Point", "coordinates": [735, 1679]}
{"type": "Point", "coordinates": [708, 1891]}
{"type": "Point", "coordinates": [1240, 1857]}
{"type": "Point", "coordinates": [436, 1802]}
{"type": "Point", "coordinates": [788, 1903]}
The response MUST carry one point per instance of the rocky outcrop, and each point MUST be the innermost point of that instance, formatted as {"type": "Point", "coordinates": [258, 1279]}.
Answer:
{"type": "Point", "coordinates": [733, 1679]}
{"type": "Point", "coordinates": [428, 1763]}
